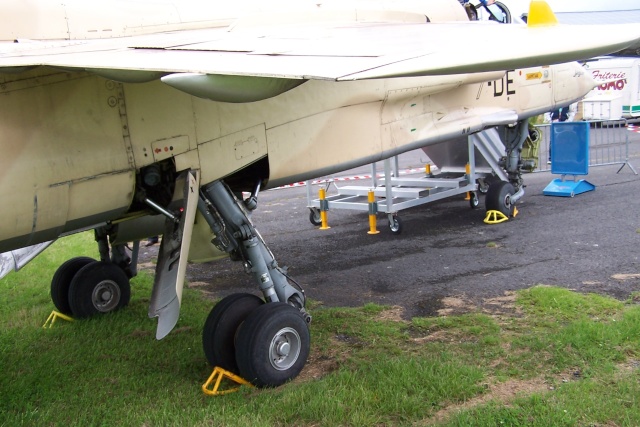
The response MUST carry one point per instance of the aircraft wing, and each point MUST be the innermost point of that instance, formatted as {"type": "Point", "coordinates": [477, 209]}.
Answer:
{"type": "Point", "coordinates": [322, 49]}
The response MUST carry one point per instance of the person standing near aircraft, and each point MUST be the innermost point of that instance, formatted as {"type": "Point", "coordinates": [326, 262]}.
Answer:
{"type": "Point", "coordinates": [560, 115]}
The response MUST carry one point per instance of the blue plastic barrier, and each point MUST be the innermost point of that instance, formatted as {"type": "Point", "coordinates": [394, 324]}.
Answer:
{"type": "Point", "coordinates": [569, 156]}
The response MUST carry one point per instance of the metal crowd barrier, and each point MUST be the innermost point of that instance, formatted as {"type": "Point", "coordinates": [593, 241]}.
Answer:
{"type": "Point", "coordinates": [608, 145]}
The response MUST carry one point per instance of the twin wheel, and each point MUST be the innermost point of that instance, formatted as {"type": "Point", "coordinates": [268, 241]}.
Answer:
{"type": "Point", "coordinates": [83, 287]}
{"type": "Point", "coordinates": [267, 344]}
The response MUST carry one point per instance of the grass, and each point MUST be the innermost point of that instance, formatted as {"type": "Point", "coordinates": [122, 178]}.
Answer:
{"type": "Point", "coordinates": [563, 358]}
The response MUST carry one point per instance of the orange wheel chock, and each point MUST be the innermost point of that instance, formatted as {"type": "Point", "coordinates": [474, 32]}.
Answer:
{"type": "Point", "coordinates": [216, 377]}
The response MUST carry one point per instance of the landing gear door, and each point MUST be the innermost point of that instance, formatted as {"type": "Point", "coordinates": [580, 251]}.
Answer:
{"type": "Point", "coordinates": [172, 256]}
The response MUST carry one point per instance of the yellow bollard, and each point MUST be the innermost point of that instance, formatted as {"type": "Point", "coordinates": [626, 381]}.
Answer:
{"type": "Point", "coordinates": [467, 170]}
{"type": "Point", "coordinates": [324, 207]}
{"type": "Point", "coordinates": [373, 210]}
{"type": "Point", "coordinates": [427, 169]}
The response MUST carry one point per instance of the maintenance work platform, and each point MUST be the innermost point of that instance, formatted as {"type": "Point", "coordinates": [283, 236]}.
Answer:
{"type": "Point", "coordinates": [449, 171]}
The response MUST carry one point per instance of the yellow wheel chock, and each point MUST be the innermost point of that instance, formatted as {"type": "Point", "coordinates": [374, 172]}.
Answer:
{"type": "Point", "coordinates": [496, 217]}
{"type": "Point", "coordinates": [52, 319]}
{"type": "Point", "coordinates": [216, 376]}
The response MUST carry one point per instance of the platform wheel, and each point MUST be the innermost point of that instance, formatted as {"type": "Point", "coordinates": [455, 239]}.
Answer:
{"type": "Point", "coordinates": [61, 282]}
{"type": "Point", "coordinates": [272, 345]}
{"type": "Point", "coordinates": [499, 198]}
{"type": "Point", "coordinates": [314, 216]}
{"type": "Point", "coordinates": [98, 287]}
{"type": "Point", "coordinates": [474, 201]}
{"type": "Point", "coordinates": [395, 225]}
{"type": "Point", "coordinates": [221, 326]}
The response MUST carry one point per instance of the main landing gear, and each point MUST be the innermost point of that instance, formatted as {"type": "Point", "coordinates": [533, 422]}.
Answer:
{"type": "Point", "coordinates": [266, 341]}
{"type": "Point", "coordinates": [83, 287]}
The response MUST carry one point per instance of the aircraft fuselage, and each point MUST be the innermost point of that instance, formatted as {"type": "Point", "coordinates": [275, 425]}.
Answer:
{"type": "Point", "coordinates": [76, 145]}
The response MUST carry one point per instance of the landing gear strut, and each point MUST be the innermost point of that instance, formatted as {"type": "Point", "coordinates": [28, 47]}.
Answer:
{"type": "Point", "coordinates": [83, 287]}
{"type": "Point", "coordinates": [502, 195]}
{"type": "Point", "coordinates": [266, 343]}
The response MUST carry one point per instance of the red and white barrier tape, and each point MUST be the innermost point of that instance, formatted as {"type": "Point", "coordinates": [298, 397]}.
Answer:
{"type": "Point", "coordinates": [346, 178]}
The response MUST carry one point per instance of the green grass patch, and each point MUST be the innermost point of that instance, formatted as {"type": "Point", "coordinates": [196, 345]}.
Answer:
{"type": "Point", "coordinates": [365, 368]}
{"type": "Point", "coordinates": [562, 304]}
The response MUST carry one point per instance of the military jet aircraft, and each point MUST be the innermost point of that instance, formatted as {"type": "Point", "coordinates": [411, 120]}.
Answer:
{"type": "Point", "coordinates": [139, 118]}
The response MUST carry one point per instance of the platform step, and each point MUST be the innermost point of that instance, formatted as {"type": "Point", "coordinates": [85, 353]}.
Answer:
{"type": "Point", "coordinates": [402, 192]}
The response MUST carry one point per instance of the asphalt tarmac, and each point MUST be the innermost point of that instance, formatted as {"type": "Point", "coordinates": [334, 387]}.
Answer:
{"type": "Point", "coordinates": [589, 243]}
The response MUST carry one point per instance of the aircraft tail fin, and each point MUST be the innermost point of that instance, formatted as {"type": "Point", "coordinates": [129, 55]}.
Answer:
{"type": "Point", "coordinates": [540, 14]}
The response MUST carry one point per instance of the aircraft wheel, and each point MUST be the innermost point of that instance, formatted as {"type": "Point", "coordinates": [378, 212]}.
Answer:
{"type": "Point", "coordinates": [272, 345]}
{"type": "Point", "coordinates": [473, 199]}
{"type": "Point", "coordinates": [219, 333]}
{"type": "Point", "coordinates": [314, 216]}
{"type": "Point", "coordinates": [61, 282]}
{"type": "Point", "coordinates": [98, 287]}
{"type": "Point", "coordinates": [499, 198]}
{"type": "Point", "coordinates": [394, 224]}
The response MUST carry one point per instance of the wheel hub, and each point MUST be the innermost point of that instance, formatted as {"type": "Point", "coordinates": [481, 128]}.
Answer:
{"type": "Point", "coordinates": [105, 296]}
{"type": "Point", "coordinates": [284, 349]}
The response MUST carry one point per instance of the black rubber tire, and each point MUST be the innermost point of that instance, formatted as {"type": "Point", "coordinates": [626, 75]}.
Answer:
{"type": "Point", "coordinates": [266, 330]}
{"type": "Point", "coordinates": [395, 225]}
{"type": "Point", "coordinates": [61, 282]}
{"type": "Point", "coordinates": [219, 332]}
{"type": "Point", "coordinates": [498, 198]}
{"type": "Point", "coordinates": [314, 217]}
{"type": "Point", "coordinates": [474, 201]}
{"type": "Point", "coordinates": [98, 279]}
